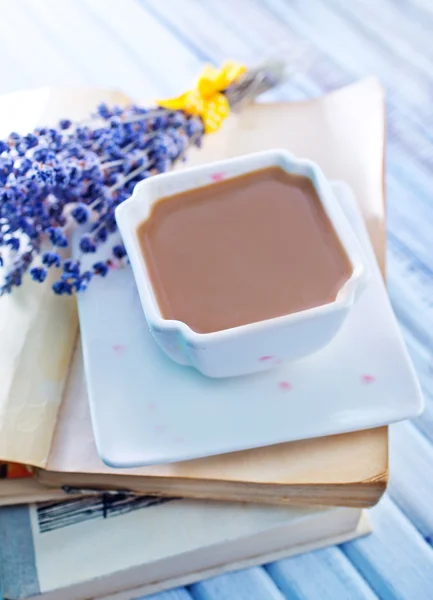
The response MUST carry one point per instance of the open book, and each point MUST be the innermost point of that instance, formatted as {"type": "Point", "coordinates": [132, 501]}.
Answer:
{"type": "Point", "coordinates": [125, 547]}
{"type": "Point", "coordinates": [344, 133]}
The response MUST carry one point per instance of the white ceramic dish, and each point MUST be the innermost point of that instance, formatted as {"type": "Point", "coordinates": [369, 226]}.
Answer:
{"type": "Point", "coordinates": [248, 348]}
{"type": "Point", "coordinates": [146, 409]}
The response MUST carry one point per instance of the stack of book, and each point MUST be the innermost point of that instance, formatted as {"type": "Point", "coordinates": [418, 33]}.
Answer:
{"type": "Point", "coordinates": [181, 522]}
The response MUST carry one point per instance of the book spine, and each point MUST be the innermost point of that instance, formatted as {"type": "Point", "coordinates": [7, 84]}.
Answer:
{"type": "Point", "coordinates": [11, 470]}
{"type": "Point", "coordinates": [20, 580]}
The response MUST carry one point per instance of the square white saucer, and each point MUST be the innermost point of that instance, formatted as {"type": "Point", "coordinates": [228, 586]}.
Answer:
{"type": "Point", "coordinates": [148, 410]}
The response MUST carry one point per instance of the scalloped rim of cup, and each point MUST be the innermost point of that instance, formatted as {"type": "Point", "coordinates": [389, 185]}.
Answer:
{"type": "Point", "coordinates": [345, 297]}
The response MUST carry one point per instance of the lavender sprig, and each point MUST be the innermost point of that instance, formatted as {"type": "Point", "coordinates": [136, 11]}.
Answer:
{"type": "Point", "coordinates": [80, 173]}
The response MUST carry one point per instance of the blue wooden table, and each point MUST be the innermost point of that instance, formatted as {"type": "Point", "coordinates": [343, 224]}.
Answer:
{"type": "Point", "coordinates": [150, 48]}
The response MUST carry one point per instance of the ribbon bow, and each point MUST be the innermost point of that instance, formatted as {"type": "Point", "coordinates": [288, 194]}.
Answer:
{"type": "Point", "coordinates": [206, 99]}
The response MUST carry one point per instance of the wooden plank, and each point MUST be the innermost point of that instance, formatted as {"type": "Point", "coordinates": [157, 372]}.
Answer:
{"type": "Point", "coordinates": [169, 63]}
{"type": "Point", "coordinates": [92, 49]}
{"type": "Point", "coordinates": [406, 24]}
{"type": "Point", "coordinates": [326, 574]}
{"type": "Point", "coordinates": [396, 47]}
{"type": "Point", "coordinates": [179, 594]}
{"type": "Point", "coordinates": [411, 292]}
{"type": "Point", "coordinates": [204, 31]}
{"type": "Point", "coordinates": [28, 57]}
{"type": "Point", "coordinates": [319, 21]}
{"type": "Point", "coordinates": [411, 487]}
{"type": "Point", "coordinates": [250, 584]}
{"type": "Point", "coordinates": [395, 561]}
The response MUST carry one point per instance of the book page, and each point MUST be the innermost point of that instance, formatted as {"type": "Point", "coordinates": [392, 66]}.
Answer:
{"type": "Point", "coordinates": [344, 133]}
{"type": "Point", "coordinates": [38, 329]}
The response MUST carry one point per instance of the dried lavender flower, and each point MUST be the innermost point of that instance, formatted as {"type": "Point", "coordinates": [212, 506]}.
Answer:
{"type": "Point", "coordinates": [90, 168]}
{"type": "Point", "coordinates": [80, 173]}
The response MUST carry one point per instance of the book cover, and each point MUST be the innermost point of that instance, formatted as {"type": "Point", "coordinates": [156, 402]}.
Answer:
{"type": "Point", "coordinates": [163, 542]}
{"type": "Point", "coordinates": [10, 470]}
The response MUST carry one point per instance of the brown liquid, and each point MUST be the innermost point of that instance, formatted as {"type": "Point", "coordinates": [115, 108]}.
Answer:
{"type": "Point", "coordinates": [242, 250]}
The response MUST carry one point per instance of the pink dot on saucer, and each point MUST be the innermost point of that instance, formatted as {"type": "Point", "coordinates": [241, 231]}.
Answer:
{"type": "Point", "coordinates": [264, 358]}
{"type": "Point", "coordinates": [217, 176]}
{"type": "Point", "coordinates": [367, 379]}
{"type": "Point", "coordinates": [119, 348]}
{"type": "Point", "coordinates": [151, 406]}
{"type": "Point", "coordinates": [285, 385]}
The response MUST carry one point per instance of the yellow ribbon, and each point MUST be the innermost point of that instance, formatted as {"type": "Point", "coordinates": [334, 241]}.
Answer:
{"type": "Point", "coordinates": [206, 99]}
